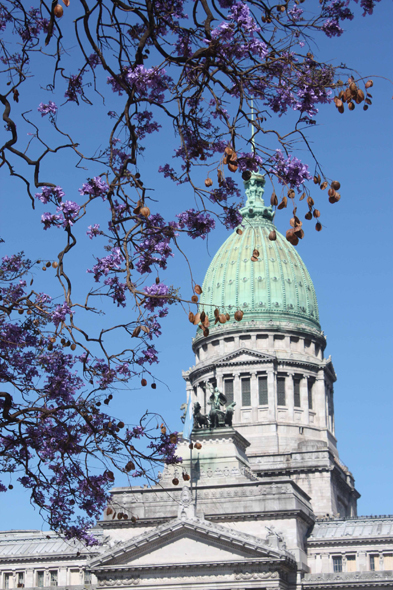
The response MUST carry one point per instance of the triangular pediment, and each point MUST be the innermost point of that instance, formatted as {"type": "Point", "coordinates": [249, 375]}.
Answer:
{"type": "Point", "coordinates": [245, 355]}
{"type": "Point", "coordinates": [183, 541]}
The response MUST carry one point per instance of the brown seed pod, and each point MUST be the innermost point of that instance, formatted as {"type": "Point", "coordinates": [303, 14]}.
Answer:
{"type": "Point", "coordinates": [292, 238]}
{"type": "Point", "coordinates": [254, 259]}
{"type": "Point", "coordinates": [228, 150]}
{"type": "Point", "coordinates": [317, 213]}
{"type": "Point", "coordinates": [291, 194]}
{"type": "Point", "coordinates": [351, 106]}
{"type": "Point", "coordinates": [331, 192]}
{"type": "Point", "coordinates": [274, 200]}
{"type": "Point", "coordinates": [66, 2]}
{"type": "Point", "coordinates": [315, 180]}
{"type": "Point", "coordinates": [194, 298]}
{"type": "Point", "coordinates": [153, 385]}
{"type": "Point", "coordinates": [175, 481]}
{"type": "Point", "coordinates": [206, 332]}
{"type": "Point", "coordinates": [360, 95]}
{"type": "Point", "coordinates": [310, 201]}
{"type": "Point", "coordinates": [73, 346]}
{"type": "Point", "coordinates": [368, 101]}
{"type": "Point", "coordinates": [50, 346]}
{"type": "Point", "coordinates": [216, 313]}
{"type": "Point", "coordinates": [110, 475]}
{"type": "Point", "coordinates": [198, 289]}
{"type": "Point", "coordinates": [203, 316]}
{"type": "Point", "coordinates": [338, 102]}
{"type": "Point", "coordinates": [145, 329]}
{"type": "Point", "coordinates": [208, 182]}
{"type": "Point", "coordinates": [238, 315]}
{"type": "Point", "coordinates": [246, 175]}
{"type": "Point", "coordinates": [365, 108]}
{"type": "Point", "coordinates": [369, 84]}
{"type": "Point", "coordinates": [341, 109]}
{"type": "Point", "coordinates": [136, 332]}
{"type": "Point", "coordinates": [353, 87]}
{"type": "Point", "coordinates": [335, 185]}
{"type": "Point", "coordinates": [191, 317]}
{"type": "Point", "coordinates": [272, 236]}
{"type": "Point", "coordinates": [302, 196]}
{"type": "Point", "coordinates": [145, 211]}
{"type": "Point", "coordinates": [232, 167]}
{"type": "Point", "coordinates": [308, 215]}
{"type": "Point", "coordinates": [163, 428]}
{"type": "Point", "coordinates": [48, 264]}
{"type": "Point", "coordinates": [198, 446]}
{"type": "Point", "coordinates": [143, 382]}
{"type": "Point", "coordinates": [58, 11]}
{"type": "Point", "coordinates": [191, 446]}
{"type": "Point", "coordinates": [109, 511]}
{"type": "Point", "coordinates": [197, 319]}
{"type": "Point", "coordinates": [222, 318]}
{"type": "Point", "coordinates": [335, 198]}
{"type": "Point", "coordinates": [299, 234]}
{"type": "Point", "coordinates": [318, 226]}
{"type": "Point", "coordinates": [228, 317]}
{"type": "Point", "coordinates": [173, 439]}
{"type": "Point", "coordinates": [130, 466]}
{"type": "Point", "coordinates": [255, 253]}
{"type": "Point", "coordinates": [133, 519]}
{"type": "Point", "coordinates": [283, 203]}
{"type": "Point", "coordinates": [55, 264]}
{"type": "Point", "coordinates": [239, 231]}
{"type": "Point", "coordinates": [324, 185]}
{"type": "Point", "coordinates": [186, 477]}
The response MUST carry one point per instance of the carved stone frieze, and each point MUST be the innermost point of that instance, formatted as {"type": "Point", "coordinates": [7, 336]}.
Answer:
{"type": "Point", "coordinates": [109, 581]}
{"type": "Point", "coordinates": [257, 575]}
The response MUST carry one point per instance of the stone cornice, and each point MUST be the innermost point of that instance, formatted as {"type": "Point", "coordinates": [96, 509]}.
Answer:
{"type": "Point", "coordinates": [41, 557]}
{"type": "Point", "coordinates": [348, 540]}
{"type": "Point", "coordinates": [349, 580]}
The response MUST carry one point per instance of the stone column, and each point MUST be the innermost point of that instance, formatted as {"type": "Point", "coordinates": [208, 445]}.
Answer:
{"type": "Point", "coordinates": [319, 399]}
{"type": "Point", "coordinates": [237, 396]}
{"type": "Point", "coordinates": [272, 394]}
{"type": "Point", "coordinates": [304, 399]}
{"type": "Point", "coordinates": [289, 396]}
{"type": "Point", "coordinates": [254, 395]}
{"type": "Point", "coordinates": [220, 382]}
{"type": "Point", "coordinates": [270, 343]}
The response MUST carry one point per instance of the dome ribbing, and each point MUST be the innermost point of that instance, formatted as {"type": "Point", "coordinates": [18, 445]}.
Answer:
{"type": "Point", "coordinates": [278, 287]}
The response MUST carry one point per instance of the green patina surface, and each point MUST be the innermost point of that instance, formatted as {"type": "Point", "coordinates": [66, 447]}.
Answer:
{"type": "Point", "coordinates": [277, 287]}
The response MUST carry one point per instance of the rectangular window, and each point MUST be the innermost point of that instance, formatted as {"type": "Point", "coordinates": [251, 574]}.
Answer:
{"type": "Point", "coordinates": [337, 563]}
{"type": "Point", "coordinates": [246, 391]}
{"type": "Point", "coordinates": [388, 561]}
{"type": "Point", "coordinates": [87, 577]}
{"type": "Point", "coordinates": [7, 581]}
{"type": "Point", "coordinates": [228, 390]}
{"type": "Point", "coordinates": [262, 388]}
{"type": "Point", "coordinates": [351, 563]}
{"type": "Point", "coordinates": [20, 579]}
{"type": "Point", "coordinates": [296, 392]}
{"type": "Point", "coordinates": [53, 578]}
{"type": "Point", "coordinates": [40, 579]}
{"type": "Point", "coordinates": [281, 391]}
{"type": "Point", "coordinates": [310, 383]}
{"type": "Point", "coordinates": [374, 563]}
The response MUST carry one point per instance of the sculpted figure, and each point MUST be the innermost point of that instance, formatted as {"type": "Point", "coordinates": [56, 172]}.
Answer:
{"type": "Point", "coordinates": [216, 400]}
{"type": "Point", "coordinates": [229, 414]}
{"type": "Point", "coordinates": [200, 420]}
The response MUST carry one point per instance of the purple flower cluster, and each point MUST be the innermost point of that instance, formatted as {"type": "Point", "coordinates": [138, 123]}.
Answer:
{"type": "Point", "coordinates": [249, 161]}
{"type": "Point", "coordinates": [93, 231]}
{"type": "Point", "coordinates": [145, 124]}
{"type": "Point", "coordinates": [95, 187]}
{"type": "Point", "coordinates": [54, 194]}
{"type": "Point", "coordinates": [154, 248]}
{"type": "Point", "coordinates": [149, 84]}
{"type": "Point", "coordinates": [149, 355]}
{"type": "Point", "coordinates": [33, 26]}
{"type": "Point", "coordinates": [105, 265]}
{"type": "Point", "coordinates": [47, 109]}
{"type": "Point", "coordinates": [60, 313]}
{"type": "Point", "coordinates": [157, 296]}
{"type": "Point", "coordinates": [198, 223]}
{"type": "Point", "coordinates": [75, 88]}
{"type": "Point", "coordinates": [289, 171]}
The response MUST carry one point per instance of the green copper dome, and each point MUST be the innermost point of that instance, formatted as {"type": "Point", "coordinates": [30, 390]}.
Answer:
{"type": "Point", "coordinates": [278, 287]}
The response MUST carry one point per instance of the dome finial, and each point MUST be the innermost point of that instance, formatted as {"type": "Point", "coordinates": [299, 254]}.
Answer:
{"type": "Point", "coordinates": [255, 206]}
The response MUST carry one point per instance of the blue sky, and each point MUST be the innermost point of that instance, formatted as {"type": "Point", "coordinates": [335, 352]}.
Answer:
{"type": "Point", "coordinates": [349, 262]}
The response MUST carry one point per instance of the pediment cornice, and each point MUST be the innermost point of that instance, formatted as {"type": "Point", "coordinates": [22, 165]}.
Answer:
{"type": "Point", "coordinates": [228, 539]}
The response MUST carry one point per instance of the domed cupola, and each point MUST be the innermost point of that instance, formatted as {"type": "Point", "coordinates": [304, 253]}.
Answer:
{"type": "Point", "coordinates": [275, 289]}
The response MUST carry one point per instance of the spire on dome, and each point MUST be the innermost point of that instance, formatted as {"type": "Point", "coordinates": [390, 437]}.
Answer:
{"type": "Point", "coordinates": [255, 206]}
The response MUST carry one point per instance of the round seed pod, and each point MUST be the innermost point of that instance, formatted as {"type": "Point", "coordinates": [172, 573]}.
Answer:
{"type": "Point", "coordinates": [198, 446]}
{"type": "Point", "coordinates": [238, 315]}
{"type": "Point", "coordinates": [232, 167]}
{"type": "Point", "coordinates": [50, 346]}
{"type": "Point", "coordinates": [186, 477]}
{"type": "Point", "coordinates": [197, 319]}
{"type": "Point", "coordinates": [369, 84]}
{"type": "Point", "coordinates": [222, 318]}
{"type": "Point", "coordinates": [194, 298]}
{"type": "Point", "coordinates": [44, 267]}
{"type": "Point", "coordinates": [310, 201]}
{"type": "Point", "coordinates": [216, 313]}
{"type": "Point", "coordinates": [255, 253]}
{"type": "Point", "coordinates": [191, 317]}
{"type": "Point", "coordinates": [130, 466]}
{"type": "Point", "coordinates": [324, 185]}
{"type": "Point", "coordinates": [335, 185]}
{"type": "Point", "coordinates": [55, 264]}
{"type": "Point", "coordinates": [246, 175]}
{"type": "Point", "coordinates": [191, 446]}
{"type": "Point", "coordinates": [153, 385]}
{"type": "Point", "coordinates": [206, 332]}
{"type": "Point", "coordinates": [365, 108]}
{"type": "Point", "coordinates": [239, 231]}
{"type": "Point", "coordinates": [48, 264]}
{"type": "Point", "coordinates": [228, 150]}
{"type": "Point", "coordinates": [272, 236]}
{"type": "Point", "coordinates": [143, 382]}
{"type": "Point", "coordinates": [360, 95]}
{"type": "Point", "coordinates": [136, 332]}
{"type": "Point", "coordinates": [317, 213]}
{"type": "Point", "coordinates": [351, 106]}
{"type": "Point", "coordinates": [175, 481]}
{"type": "Point", "coordinates": [254, 259]}
{"type": "Point", "coordinates": [308, 216]}
{"type": "Point", "coordinates": [203, 316]}
{"type": "Point", "coordinates": [208, 182]}
{"type": "Point", "coordinates": [274, 200]}
{"type": "Point", "coordinates": [341, 109]}
{"type": "Point", "coordinates": [299, 234]}
{"type": "Point", "coordinates": [133, 519]}
{"type": "Point", "coordinates": [145, 211]}
{"type": "Point", "coordinates": [228, 317]}
{"type": "Point", "coordinates": [198, 289]}
{"type": "Point", "coordinates": [331, 192]}
{"type": "Point", "coordinates": [109, 511]}
{"type": "Point", "coordinates": [73, 346]}
{"type": "Point", "coordinates": [318, 226]}
{"type": "Point", "coordinates": [58, 11]}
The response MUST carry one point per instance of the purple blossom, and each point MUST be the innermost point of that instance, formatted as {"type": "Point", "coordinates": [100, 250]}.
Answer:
{"type": "Point", "coordinates": [249, 161]}
{"type": "Point", "coordinates": [117, 290]}
{"type": "Point", "coordinates": [54, 194]}
{"type": "Point", "coordinates": [198, 223]}
{"type": "Point", "coordinates": [149, 84]}
{"type": "Point", "coordinates": [60, 313]}
{"type": "Point", "coordinates": [289, 171]}
{"type": "Point", "coordinates": [367, 5]}
{"type": "Point", "coordinates": [232, 217]}
{"type": "Point", "coordinates": [49, 220]}
{"type": "Point", "coordinates": [146, 125]}
{"type": "Point", "coordinates": [295, 13]}
{"type": "Point", "coordinates": [107, 264]}
{"type": "Point", "coordinates": [149, 355]}
{"type": "Point", "coordinates": [47, 109]}
{"type": "Point", "coordinates": [69, 211]}
{"type": "Point", "coordinates": [93, 231]}
{"type": "Point", "coordinates": [74, 87]}
{"type": "Point", "coordinates": [95, 187]}
{"type": "Point", "coordinates": [157, 296]}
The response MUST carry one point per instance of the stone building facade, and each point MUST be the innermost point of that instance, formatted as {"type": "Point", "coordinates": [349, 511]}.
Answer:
{"type": "Point", "coordinates": [269, 503]}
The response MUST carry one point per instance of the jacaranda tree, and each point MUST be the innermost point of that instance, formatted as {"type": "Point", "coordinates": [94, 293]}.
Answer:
{"type": "Point", "coordinates": [205, 71]}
